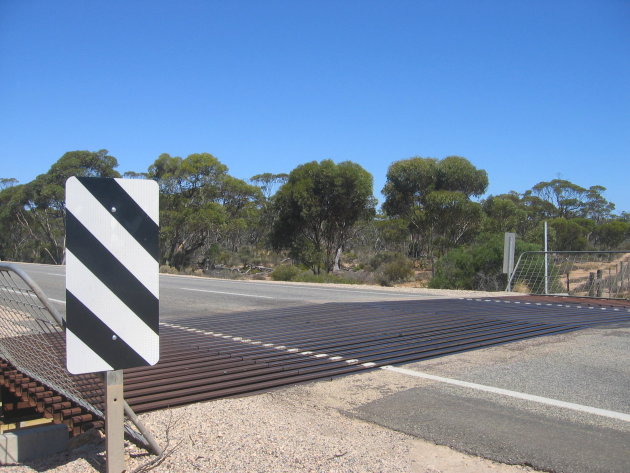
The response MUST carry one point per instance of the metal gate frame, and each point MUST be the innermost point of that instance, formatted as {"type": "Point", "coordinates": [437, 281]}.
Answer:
{"type": "Point", "coordinates": [542, 270]}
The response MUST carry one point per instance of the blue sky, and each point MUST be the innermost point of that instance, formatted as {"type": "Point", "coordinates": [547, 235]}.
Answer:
{"type": "Point", "coordinates": [527, 90]}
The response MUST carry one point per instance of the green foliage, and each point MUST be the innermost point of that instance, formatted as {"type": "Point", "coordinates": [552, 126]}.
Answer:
{"type": "Point", "coordinates": [269, 182]}
{"type": "Point", "coordinates": [6, 182]}
{"type": "Point", "coordinates": [33, 215]}
{"type": "Point", "coordinates": [201, 205]}
{"type": "Point", "coordinates": [433, 196]}
{"type": "Point", "coordinates": [321, 211]}
{"type": "Point", "coordinates": [381, 258]}
{"type": "Point", "coordinates": [568, 200]}
{"type": "Point", "coordinates": [396, 270]}
{"type": "Point", "coordinates": [324, 278]}
{"type": "Point", "coordinates": [610, 235]}
{"type": "Point", "coordinates": [317, 208]}
{"type": "Point", "coordinates": [166, 269]}
{"type": "Point", "coordinates": [504, 214]}
{"type": "Point", "coordinates": [392, 233]}
{"type": "Point", "coordinates": [569, 235]}
{"type": "Point", "coordinates": [285, 273]}
{"type": "Point", "coordinates": [477, 266]}
{"type": "Point", "coordinates": [294, 273]}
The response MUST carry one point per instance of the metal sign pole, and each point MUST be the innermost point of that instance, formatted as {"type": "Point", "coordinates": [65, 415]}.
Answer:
{"type": "Point", "coordinates": [509, 248]}
{"type": "Point", "coordinates": [114, 421]}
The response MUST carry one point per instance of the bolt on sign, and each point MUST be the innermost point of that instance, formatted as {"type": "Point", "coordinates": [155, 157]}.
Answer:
{"type": "Point", "coordinates": [112, 274]}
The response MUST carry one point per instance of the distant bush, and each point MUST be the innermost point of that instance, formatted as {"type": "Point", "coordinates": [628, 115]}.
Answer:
{"type": "Point", "coordinates": [285, 273]}
{"type": "Point", "coordinates": [381, 258]}
{"type": "Point", "coordinates": [329, 278]}
{"type": "Point", "coordinates": [396, 270]}
{"type": "Point", "coordinates": [294, 273]}
{"type": "Point", "coordinates": [166, 269]}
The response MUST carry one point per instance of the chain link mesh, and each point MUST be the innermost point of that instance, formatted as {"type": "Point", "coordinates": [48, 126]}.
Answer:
{"type": "Point", "coordinates": [33, 342]}
{"type": "Point", "coordinates": [604, 274]}
{"type": "Point", "coordinates": [32, 339]}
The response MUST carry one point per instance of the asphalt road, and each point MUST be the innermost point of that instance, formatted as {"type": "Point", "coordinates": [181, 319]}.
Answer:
{"type": "Point", "coordinates": [588, 368]}
{"type": "Point", "coordinates": [186, 296]}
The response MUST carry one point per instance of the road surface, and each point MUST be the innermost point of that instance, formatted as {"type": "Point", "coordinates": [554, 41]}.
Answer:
{"type": "Point", "coordinates": [558, 403]}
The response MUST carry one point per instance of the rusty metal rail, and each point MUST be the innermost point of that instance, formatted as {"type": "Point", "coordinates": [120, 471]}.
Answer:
{"type": "Point", "coordinates": [205, 358]}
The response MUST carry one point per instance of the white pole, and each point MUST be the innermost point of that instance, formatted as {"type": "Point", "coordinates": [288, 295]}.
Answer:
{"type": "Point", "coordinates": [546, 263]}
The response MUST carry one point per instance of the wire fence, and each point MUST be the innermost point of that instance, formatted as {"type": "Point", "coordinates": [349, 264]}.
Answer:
{"type": "Point", "coordinates": [32, 339]}
{"type": "Point", "coordinates": [604, 274]}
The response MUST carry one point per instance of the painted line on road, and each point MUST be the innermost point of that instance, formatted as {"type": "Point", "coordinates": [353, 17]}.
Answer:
{"type": "Point", "coordinates": [27, 293]}
{"type": "Point", "coordinates": [249, 341]}
{"type": "Point", "coordinates": [546, 304]}
{"type": "Point", "coordinates": [515, 394]}
{"type": "Point", "coordinates": [227, 293]}
{"type": "Point", "coordinates": [56, 274]}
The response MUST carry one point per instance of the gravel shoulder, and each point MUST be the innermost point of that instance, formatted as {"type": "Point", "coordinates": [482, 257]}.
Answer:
{"type": "Point", "coordinates": [304, 428]}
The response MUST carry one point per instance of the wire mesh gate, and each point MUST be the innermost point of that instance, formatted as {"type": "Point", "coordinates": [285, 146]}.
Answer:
{"type": "Point", "coordinates": [32, 340]}
{"type": "Point", "coordinates": [604, 274]}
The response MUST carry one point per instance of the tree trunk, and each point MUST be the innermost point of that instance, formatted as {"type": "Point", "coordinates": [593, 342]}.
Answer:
{"type": "Point", "coordinates": [337, 259]}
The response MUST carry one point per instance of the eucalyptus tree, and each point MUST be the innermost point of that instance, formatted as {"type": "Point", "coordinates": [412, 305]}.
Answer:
{"type": "Point", "coordinates": [268, 183]}
{"type": "Point", "coordinates": [434, 197]}
{"type": "Point", "coordinates": [318, 208]}
{"type": "Point", "coordinates": [504, 213]}
{"type": "Point", "coordinates": [41, 208]}
{"type": "Point", "coordinates": [201, 205]}
{"type": "Point", "coordinates": [565, 199]}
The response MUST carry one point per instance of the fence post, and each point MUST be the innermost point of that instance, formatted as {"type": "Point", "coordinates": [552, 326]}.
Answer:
{"type": "Point", "coordinates": [610, 281]}
{"type": "Point", "coordinates": [591, 284]}
{"type": "Point", "coordinates": [599, 282]}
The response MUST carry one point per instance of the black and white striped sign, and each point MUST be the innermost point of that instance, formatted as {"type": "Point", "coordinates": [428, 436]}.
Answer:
{"type": "Point", "coordinates": [112, 274]}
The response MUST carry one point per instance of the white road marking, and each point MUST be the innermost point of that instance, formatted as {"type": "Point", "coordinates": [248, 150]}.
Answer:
{"type": "Point", "coordinates": [515, 394]}
{"type": "Point", "coordinates": [267, 345]}
{"type": "Point", "coordinates": [56, 274]}
{"type": "Point", "coordinates": [28, 293]}
{"type": "Point", "coordinates": [227, 293]}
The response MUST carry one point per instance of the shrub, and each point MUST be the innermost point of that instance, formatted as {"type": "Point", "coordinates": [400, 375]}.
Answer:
{"type": "Point", "coordinates": [285, 273]}
{"type": "Point", "coordinates": [166, 269]}
{"type": "Point", "coordinates": [382, 258]}
{"type": "Point", "coordinates": [308, 276]}
{"type": "Point", "coordinates": [477, 266]}
{"type": "Point", "coordinates": [397, 270]}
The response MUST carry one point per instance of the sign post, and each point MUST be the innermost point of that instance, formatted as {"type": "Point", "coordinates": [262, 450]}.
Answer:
{"type": "Point", "coordinates": [509, 248]}
{"type": "Point", "coordinates": [112, 288]}
{"type": "Point", "coordinates": [114, 421]}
